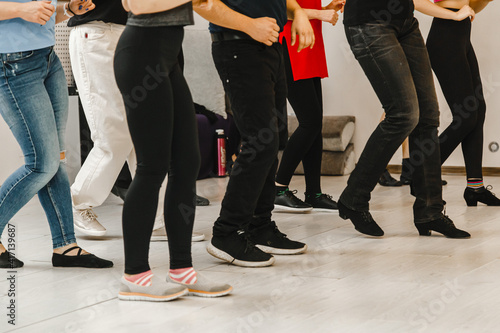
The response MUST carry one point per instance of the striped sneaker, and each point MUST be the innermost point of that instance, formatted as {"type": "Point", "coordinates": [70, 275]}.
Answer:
{"type": "Point", "coordinates": [203, 287]}
{"type": "Point", "coordinates": [158, 291]}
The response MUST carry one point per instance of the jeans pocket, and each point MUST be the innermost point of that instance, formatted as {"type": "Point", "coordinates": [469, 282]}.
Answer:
{"type": "Point", "coordinates": [92, 33]}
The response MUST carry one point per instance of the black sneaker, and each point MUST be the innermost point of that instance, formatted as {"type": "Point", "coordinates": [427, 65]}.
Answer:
{"type": "Point", "coordinates": [237, 249]}
{"type": "Point", "coordinates": [363, 221]}
{"type": "Point", "coordinates": [322, 202]}
{"type": "Point", "coordinates": [442, 225]}
{"type": "Point", "coordinates": [287, 201]}
{"type": "Point", "coordinates": [270, 240]}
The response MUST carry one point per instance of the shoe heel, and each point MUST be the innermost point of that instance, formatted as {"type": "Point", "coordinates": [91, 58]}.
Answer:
{"type": "Point", "coordinates": [471, 202]}
{"type": "Point", "coordinates": [423, 231]}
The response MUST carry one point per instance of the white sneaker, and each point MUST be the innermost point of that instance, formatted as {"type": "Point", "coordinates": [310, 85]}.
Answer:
{"type": "Point", "coordinates": [204, 287]}
{"type": "Point", "coordinates": [85, 221]}
{"type": "Point", "coordinates": [160, 235]}
{"type": "Point", "coordinates": [158, 291]}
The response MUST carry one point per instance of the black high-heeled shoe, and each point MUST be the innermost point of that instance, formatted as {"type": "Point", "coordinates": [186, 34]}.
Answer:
{"type": "Point", "coordinates": [363, 221]}
{"type": "Point", "coordinates": [442, 225]}
{"type": "Point", "coordinates": [80, 260]}
{"type": "Point", "coordinates": [484, 195]}
{"type": "Point", "coordinates": [7, 260]}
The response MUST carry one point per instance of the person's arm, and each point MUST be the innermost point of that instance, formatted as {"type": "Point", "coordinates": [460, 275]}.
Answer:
{"type": "Point", "coordinates": [33, 11]}
{"type": "Point", "coordinates": [262, 29]}
{"type": "Point", "coordinates": [479, 5]}
{"type": "Point", "coordinates": [431, 9]}
{"type": "Point", "coordinates": [300, 26]}
{"type": "Point", "coordinates": [139, 7]}
{"type": "Point", "coordinates": [325, 15]}
{"type": "Point", "coordinates": [336, 5]}
{"type": "Point", "coordinates": [73, 7]}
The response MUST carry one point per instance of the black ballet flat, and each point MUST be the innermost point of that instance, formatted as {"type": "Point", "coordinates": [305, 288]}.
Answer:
{"type": "Point", "coordinates": [483, 195]}
{"type": "Point", "coordinates": [7, 260]}
{"type": "Point", "coordinates": [442, 225]}
{"type": "Point", "coordinates": [80, 260]}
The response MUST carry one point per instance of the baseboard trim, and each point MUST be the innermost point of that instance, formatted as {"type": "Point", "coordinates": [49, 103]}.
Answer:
{"type": "Point", "coordinates": [451, 170]}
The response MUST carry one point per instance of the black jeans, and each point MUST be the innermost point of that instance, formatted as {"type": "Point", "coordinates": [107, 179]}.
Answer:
{"type": "Point", "coordinates": [253, 76]}
{"type": "Point", "coordinates": [306, 143]}
{"type": "Point", "coordinates": [455, 64]}
{"type": "Point", "coordinates": [395, 60]}
{"type": "Point", "coordinates": [161, 120]}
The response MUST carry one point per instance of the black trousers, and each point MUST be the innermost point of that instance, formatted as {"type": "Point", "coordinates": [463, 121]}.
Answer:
{"type": "Point", "coordinates": [253, 76]}
{"type": "Point", "coordinates": [455, 65]}
{"type": "Point", "coordinates": [395, 60]}
{"type": "Point", "coordinates": [161, 119]}
{"type": "Point", "coordinates": [306, 143]}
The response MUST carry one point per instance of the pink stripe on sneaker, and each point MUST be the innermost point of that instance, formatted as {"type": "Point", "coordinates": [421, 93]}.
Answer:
{"type": "Point", "coordinates": [142, 279]}
{"type": "Point", "coordinates": [183, 275]}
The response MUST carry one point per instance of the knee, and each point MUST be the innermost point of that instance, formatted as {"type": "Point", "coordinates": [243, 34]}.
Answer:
{"type": "Point", "coordinates": [261, 149]}
{"type": "Point", "coordinates": [49, 164]}
{"type": "Point", "coordinates": [403, 123]}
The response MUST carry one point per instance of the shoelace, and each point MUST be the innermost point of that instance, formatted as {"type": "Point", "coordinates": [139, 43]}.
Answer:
{"type": "Point", "coordinates": [367, 216]}
{"type": "Point", "coordinates": [89, 213]}
{"type": "Point", "coordinates": [448, 222]}
{"type": "Point", "coordinates": [249, 244]}
{"type": "Point", "coordinates": [489, 188]}
{"type": "Point", "coordinates": [326, 196]}
{"type": "Point", "coordinates": [291, 194]}
{"type": "Point", "coordinates": [278, 232]}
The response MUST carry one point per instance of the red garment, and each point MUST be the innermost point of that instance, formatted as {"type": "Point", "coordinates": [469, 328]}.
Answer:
{"type": "Point", "coordinates": [307, 63]}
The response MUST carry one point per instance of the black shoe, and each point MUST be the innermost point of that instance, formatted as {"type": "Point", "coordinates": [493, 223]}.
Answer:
{"type": "Point", "coordinates": [119, 192]}
{"type": "Point", "coordinates": [80, 260]}
{"type": "Point", "coordinates": [443, 225]}
{"type": "Point", "coordinates": [387, 180]}
{"type": "Point", "coordinates": [322, 202]}
{"type": "Point", "coordinates": [406, 168]}
{"type": "Point", "coordinates": [237, 249]}
{"type": "Point", "coordinates": [484, 195]}
{"type": "Point", "coordinates": [270, 240]}
{"type": "Point", "coordinates": [7, 260]}
{"type": "Point", "coordinates": [363, 221]}
{"type": "Point", "coordinates": [201, 201]}
{"type": "Point", "coordinates": [287, 201]}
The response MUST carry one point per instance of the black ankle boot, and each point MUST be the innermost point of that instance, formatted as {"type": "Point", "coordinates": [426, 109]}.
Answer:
{"type": "Point", "coordinates": [482, 194]}
{"type": "Point", "coordinates": [387, 180]}
{"type": "Point", "coordinates": [443, 225]}
{"type": "Point", "coordinates": [363, 221]}
{"type": "Point", "coordinates": [405, 172]}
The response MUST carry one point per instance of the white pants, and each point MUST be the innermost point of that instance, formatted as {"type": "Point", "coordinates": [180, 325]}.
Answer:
{"type": "Point", "coordinates": [92, 48]}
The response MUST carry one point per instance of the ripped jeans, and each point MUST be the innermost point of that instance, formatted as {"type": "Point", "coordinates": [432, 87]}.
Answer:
{"type": "Point", "coordinates": [34, 104]}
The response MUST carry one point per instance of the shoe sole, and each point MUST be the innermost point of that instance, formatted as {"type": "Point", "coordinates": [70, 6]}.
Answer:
{"type": "Point", "coordinates": [194, 238]}
{"type": "Point", "coordinates": [90, 232]}
{"type": "Point", "coordinates": [273, 250]}
{"type": "Point", "coordinates": [209, 294]}
{"type": "Point", "coordinates": [219, 254]}
{"type": "Point", "coordinates": [325, 210]}
{"type": "Point", "coordinates": [150, 298]}
{"type": "Point", "coordinates": [280, 208]}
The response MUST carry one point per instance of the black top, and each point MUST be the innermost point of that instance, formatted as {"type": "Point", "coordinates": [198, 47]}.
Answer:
{"type": "Point", "coordinates": [109, 11]}
{"type": "Point", "coordinates": [178, 16]}
{"type": "Point", "coordinates": [357, 12]}
{"type": "Point", "coordinates": [256, 8]}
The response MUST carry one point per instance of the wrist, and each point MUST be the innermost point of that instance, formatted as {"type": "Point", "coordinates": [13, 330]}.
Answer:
{"type": "Point", "coordinates": [69, 9]}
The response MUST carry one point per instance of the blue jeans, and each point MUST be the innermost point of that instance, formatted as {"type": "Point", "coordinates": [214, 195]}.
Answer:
{"type": "Point", "coordinates": [34, 104]}
{"type": "Point", "coordinates": [395, 60]}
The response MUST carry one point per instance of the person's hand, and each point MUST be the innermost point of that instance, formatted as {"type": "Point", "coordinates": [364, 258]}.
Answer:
{"type": "Point", "coordinates": [329, 16]}
{"type": "Point", "coordinates": [205, 4]}
{"type": "Point", "coordinates": [302, 27]}
{"type": "Point", "coordinates": [264, 30]}
{"type": "Point", "coordinates": [80, 7]}
{"type": "Point", "coordinates": [336, 5]}
{"type": "Point", "coordinates": [37, 11]}
{"type": "Point", "coordinates": [465, 12]}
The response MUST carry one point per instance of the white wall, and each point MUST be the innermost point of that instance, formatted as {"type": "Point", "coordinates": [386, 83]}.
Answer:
{"type": "Point", "coordinates": [347, 91]}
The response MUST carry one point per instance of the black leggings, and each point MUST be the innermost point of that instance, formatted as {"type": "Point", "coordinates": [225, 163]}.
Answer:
{"type": "Point", "coordinates": [161, 120]}
{"type": "Point", "coordinates": [306, 143]}
{"type": "Point", "coordinates": [455, 65]}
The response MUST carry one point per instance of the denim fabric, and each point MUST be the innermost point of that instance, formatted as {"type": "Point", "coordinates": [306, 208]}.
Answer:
{"type": "Point", "coordinates": [395, 60]}
{"type": "Point", "coordinates": [34, 104]}
{"type": "Point", "coordinates": [253, 76]}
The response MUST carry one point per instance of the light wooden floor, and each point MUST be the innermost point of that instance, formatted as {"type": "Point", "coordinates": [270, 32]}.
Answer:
{"type": "Point", "coordinates": [345, 283]}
